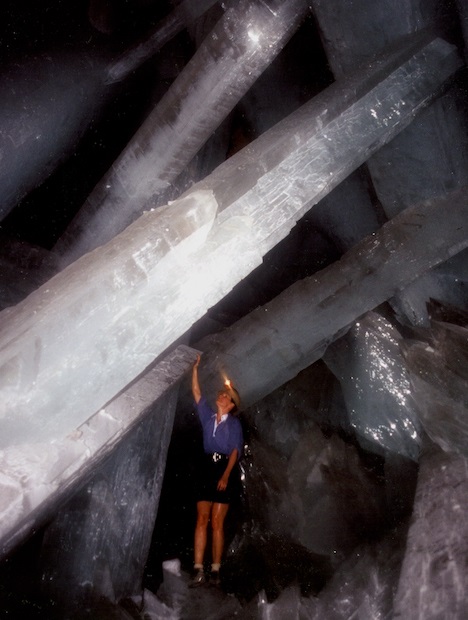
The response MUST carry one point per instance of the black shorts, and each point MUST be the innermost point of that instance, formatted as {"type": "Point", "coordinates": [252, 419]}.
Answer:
{"type": "Point", "coordinates": [210, 471]}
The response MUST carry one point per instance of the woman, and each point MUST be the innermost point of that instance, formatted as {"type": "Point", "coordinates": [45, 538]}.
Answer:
{"type": "Point", "coordinates": [222, 444]}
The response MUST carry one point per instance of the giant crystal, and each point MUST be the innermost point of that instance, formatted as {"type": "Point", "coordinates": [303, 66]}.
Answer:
{"type": "Point", "coordinates": [428, 158]}
{"type": "Point", "coordinates": [96, 304]}
{"type": "Point", "coordinates": [301, 159]}
{"type": "Point", "coordinates": [38, 477]}
{"type": "Point", "coordinates": [241, 46]}
{"type": "Point", "coordinates": [184, 14]}
{"type": "Point", "coordinates": [112, 312]}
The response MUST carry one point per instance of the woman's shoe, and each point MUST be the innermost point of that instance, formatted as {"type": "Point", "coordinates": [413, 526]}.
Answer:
{"type": "Point", "coordinates": [198, 578]}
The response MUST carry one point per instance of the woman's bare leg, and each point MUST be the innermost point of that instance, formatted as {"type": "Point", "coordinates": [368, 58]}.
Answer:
{"type": "Point", "coordinates": [203, 516]}
{"type": "Point", "coordinates": [218, 514]}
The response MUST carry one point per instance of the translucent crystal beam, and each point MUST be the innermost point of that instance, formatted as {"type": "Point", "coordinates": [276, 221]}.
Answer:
{"type": "Point", "coordinates": [428, 158]}
{"type": "Point", "coordinates": [35, 479]}
{"type": "Point", "coordinates": [276, 341]}
{"type": "Point", "coordinates": [292, 166]}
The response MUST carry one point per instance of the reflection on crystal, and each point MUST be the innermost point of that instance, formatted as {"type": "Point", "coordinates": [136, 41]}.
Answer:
{"type": "Point", "coordinates": [372, 373]}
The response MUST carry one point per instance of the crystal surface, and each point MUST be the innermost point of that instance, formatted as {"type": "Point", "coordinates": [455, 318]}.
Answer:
{"type": "Point", "coordinates": [439, 377]}
{"type": "Point", "coordinates": [376, 385]}
{"type": "Point", "coordinates": [89, 318]}
{"type": "Point", "coordinates": [433, 574]}
{"type": "Point", "coordinates": [38, 476]}
{"type": "Point", "coordinates": [77, 549]}
{"type": "Point", "coordinates": [351, 40]}
{"type": "Point", "coordinates": [297, 162]}
{"type": "Point", "coordinates": [426, 158]}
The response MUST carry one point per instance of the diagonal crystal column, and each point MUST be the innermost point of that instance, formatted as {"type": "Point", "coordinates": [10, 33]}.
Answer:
{"type": "Point", "coordinates": [82, 337]}
{"type": "Point", "coordinates": [240, 47]}
{"type": "Point", "coordinates": [430, 157]}
{"type": "Point", "coordinates": [38, 477]}
{"type": "Point", "coordinates": [301, 159]}
{"type": "Point", "coordinates": [276, 341]}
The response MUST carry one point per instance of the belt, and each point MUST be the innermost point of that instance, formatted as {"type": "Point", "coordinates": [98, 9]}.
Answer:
{"type": "Point", "coordinates": [216, 456]}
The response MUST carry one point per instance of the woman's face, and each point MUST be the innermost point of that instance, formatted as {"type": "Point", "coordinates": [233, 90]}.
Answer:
{"type": "Point", "coordinates": [224, 400]}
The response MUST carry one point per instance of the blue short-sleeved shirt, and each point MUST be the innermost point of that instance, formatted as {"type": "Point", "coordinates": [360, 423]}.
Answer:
{"type": "Point", "coordinates": [227, 436]}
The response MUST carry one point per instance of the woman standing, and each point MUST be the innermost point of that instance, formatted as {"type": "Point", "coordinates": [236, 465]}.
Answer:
{"type": "Point", "coordinates": [222, 444]}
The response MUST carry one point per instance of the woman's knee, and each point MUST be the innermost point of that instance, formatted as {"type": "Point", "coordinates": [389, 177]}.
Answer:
{"type": "Point", "coordinates": [202, 520]}
{"type": "Point", "coordinates": [203, 514]}
{"type": "Point", "coordinates": [218, 516]}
